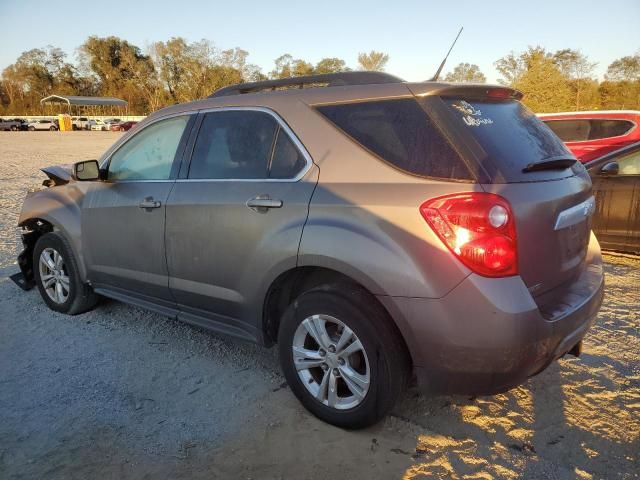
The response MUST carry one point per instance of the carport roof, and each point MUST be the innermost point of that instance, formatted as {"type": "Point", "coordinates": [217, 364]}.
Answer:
{"type": "Point", "coordinates": [77, 100]}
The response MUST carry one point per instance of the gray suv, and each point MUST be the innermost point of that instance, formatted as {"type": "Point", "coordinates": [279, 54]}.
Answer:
{"type": "Point", "coordinates": [378, 231]}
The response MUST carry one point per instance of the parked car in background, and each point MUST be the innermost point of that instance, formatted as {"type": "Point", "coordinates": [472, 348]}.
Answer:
{"type": "Point", "coordinates": [13, 125]}
{"type": "Point", "coordinates": [376, 230]}
{"type": "Point", "coordinates": [590, 135]}
{"type": "Point", "coordinates": [616, 186]}
{"type": "Point", "coordinates": [123, 127]}
{"type": "Point", "coordinates": [96, 125]}
{"type": "Point", "coordinates": [79, 123]}
{"type": "Point", "coordinates": [43, 125]}
{"type": "Point", "coordinates": [110, 122]}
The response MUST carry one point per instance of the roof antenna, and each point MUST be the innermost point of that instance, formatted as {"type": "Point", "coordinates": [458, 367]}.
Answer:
{"type": "Point", "coordinates": [435, 77]}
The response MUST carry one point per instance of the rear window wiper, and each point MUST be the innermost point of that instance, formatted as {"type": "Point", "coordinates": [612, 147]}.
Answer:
{"type": "Point", "coordinates": [550, 163]}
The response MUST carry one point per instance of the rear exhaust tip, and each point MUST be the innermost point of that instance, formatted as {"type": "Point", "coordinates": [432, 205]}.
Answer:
{"type": "Point", "coordinates": [576, 350]}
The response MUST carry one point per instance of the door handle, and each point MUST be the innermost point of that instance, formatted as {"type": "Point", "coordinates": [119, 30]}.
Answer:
{"type": "Point", "coordinates": [262, 203]}
{"type": "Point", "coordinates": [149, 202]}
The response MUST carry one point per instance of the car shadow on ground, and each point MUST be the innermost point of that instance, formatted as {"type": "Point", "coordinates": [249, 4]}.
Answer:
{"type": "Point", "coordinates": [574, 420]}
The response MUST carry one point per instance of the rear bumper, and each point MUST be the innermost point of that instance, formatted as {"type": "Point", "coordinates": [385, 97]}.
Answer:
{"type": "Point", "coordinates": [489, 335]}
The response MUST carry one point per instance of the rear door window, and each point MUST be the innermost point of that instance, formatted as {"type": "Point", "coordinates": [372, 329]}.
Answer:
{"type": "Point", "coordinates": [233, 144]}
{"type": "Point", "coordinates": [287, 160]}
{"type": "Point", "coordinates": [244, 144]}
{"type": "Point", "coordinates": [401, 133]}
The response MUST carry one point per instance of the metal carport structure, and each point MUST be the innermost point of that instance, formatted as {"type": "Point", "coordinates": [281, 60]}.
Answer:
{"type": "Point", "coordinates": [79, 105]}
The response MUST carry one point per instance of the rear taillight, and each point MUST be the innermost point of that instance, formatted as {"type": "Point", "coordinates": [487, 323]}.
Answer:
{"type": "Point", "coordinates": [478, 228]}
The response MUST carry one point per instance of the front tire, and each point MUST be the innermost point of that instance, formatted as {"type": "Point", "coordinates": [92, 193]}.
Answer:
{"type": "Point", "coordinates": [32, 129]}
{"type": "Point", "coordinates": [58, 278]}
{"type": "Point", "coordinates": [341, 355]}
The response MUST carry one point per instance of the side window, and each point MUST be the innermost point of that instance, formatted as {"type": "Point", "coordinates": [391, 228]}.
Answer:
{"type": "Point", "coordinates": [629, 164]}
{"type": "Point", "coordinates": [149, 155]}
{"type": "Point", "coordinates": [401, 133]}
{"type": "Point", "coordinates": [570, 130]}
{"type": "Point", "coordinates": [287, 160]}
{"type": "Point", "coordinates": [233, 144]}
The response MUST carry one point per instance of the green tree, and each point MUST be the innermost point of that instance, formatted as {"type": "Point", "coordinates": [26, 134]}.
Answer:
{"type": "Point", "coordinates": [121, 69]}
{"type": "Point", "coordinates": [373, 61]}
{"type": "Point", "coordinates": [621, 88]}
{"type": "Point", "coordinates": [544, 86]}
{"type": "Point", "coordinates": [35, 74]}
{"type": "Point", "coordinates": [535, 73]}
{"type": "Point", "coordinates": [286, 66]}
{"type": "Point", "coordinates": [189, 71]}
{"type": "Point", "coordinates": [577, 68]}
{"type": "Point", "coordinates": [625, 69]}
{"type": "Point", "coordinates": [330, 65]}
{"type": "Point", "coordinates": [466, 73]}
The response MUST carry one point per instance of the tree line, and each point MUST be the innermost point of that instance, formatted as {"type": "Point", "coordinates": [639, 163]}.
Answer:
{"type": "Point", "coordinates": [177, 71]}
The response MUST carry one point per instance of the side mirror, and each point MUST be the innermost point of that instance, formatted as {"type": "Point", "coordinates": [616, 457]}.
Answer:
{"type": "Point", "coordinates": [611, 168]}
{"type": "Point", "coordinates": [86, 170]}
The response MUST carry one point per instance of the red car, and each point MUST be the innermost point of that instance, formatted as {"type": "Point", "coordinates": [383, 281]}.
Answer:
{"type": "Point", "coordinates": [122, 127]}
{"type": "Point", "coordinates": [590, 135]}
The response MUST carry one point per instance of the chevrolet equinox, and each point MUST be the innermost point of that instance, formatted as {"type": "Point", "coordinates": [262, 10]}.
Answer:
{"type": "Point", "coordinates": [378, 231]}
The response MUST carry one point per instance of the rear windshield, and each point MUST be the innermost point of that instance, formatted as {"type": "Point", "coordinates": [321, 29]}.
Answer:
{"type": "Point", "coordinates": [584, 129]}
{"type": "Point", "coordinates": [509, 137]}
{"type": "Point", "coordinates": [401, 133]}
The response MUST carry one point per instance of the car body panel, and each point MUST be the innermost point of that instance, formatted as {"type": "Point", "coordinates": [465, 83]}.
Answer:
{"type": "Point", "coordinates": [548, 256]}
{"type": "Point", "coordinates": [218, 249]}
{"type": "Point", "coordinates": [111, 220]}
{"type": "Point", "coordinates": [61, 208]}
{"type": "Point", "coordinates": [488, 335]}
{"type": "Point", "coordinates": [617, 216]}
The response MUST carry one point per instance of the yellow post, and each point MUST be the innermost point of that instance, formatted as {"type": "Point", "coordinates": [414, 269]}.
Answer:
{"type": "Point", "coordinates": [64, 120]}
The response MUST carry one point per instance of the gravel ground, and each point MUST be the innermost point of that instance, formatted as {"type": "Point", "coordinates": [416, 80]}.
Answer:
{"type": "Point", "coordinates": [123, 393]}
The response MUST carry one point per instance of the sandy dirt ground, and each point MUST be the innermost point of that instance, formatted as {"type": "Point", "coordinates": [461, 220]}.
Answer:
{"type": "Point", "coordinates": [123, 393]}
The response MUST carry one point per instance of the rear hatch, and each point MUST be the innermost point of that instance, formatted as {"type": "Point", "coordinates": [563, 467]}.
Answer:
{"type": "Point", "coordinates": [515, 155]}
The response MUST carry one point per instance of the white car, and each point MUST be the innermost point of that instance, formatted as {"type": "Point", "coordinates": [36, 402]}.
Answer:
{"type": "Point", "coordinates": [110, 122]}
{"type": "Point", "coordinates": [79, 123]}
{"type": "Point", "coordinates": [42, 125]}
{"type": "Point", "coordinates": [97, 125]}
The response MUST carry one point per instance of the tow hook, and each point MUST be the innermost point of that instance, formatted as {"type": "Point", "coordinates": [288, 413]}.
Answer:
{"type": "Point", "coordinates": [576, 350]}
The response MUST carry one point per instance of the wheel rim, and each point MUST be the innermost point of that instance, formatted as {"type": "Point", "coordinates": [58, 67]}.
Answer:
{"type": "Point", "coordinates": [53, 275]}
{"type": "Point", "coordinates": [331, 362]}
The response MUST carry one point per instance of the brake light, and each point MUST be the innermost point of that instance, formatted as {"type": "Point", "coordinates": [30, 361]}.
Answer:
{"type": "Point", "coordinates": [499, 93]}
{"type": "Point", "coordinates": [478, 228]}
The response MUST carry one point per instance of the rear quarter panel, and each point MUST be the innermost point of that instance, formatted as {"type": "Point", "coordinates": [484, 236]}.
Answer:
{"type": "Point", "coordinates": [364, 219]}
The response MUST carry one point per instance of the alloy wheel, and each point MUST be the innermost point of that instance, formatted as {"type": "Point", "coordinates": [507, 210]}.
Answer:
{"type": "Point", "coordinates": [331, 362]}
{"type": "Point", "coordinates": [53, 275]}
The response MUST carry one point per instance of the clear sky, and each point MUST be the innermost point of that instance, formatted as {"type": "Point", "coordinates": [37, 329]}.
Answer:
{"type": "Point", "coordinates": [416, 35]}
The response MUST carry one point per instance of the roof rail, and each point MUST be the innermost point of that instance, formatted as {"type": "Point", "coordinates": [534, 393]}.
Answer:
{"type": "Point", "coordinates": [327, 79]}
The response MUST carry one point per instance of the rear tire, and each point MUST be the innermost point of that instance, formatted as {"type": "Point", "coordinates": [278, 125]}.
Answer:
{"type": "Point", "coordinates": [368, 375]}
{"type": "Point", "coordinates": [14, 128]}
{"type": "Point", "coordinates": [58, 278]}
